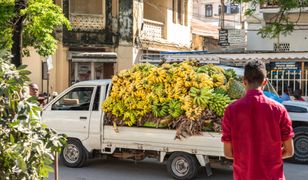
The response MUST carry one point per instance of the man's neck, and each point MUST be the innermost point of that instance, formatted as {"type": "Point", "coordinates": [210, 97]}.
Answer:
{"type": "Point", "coordinates": [254, 88]}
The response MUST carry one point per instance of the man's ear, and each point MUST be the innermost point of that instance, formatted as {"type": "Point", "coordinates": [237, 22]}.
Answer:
{"type": "Point", "coordinates": [245, 82]}
{"type": "Point", "coordinates": [264, 83]}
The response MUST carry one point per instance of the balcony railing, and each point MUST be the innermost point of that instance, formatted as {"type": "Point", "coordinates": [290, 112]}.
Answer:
{"type": "Point", "coordinates": [274, 4]}
{"type": "Point", "coordinates": [87, 22]}
{"type": "Point", "coordinates": [152, 30]}
{"type": "Point", "coordinates": [270, 4]}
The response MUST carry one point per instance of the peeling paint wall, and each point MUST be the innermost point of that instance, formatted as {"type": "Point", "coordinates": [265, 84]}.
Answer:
{"type": "Point", "coordinates": [137, 17]}
{"type": "Point", "coordinates": [126, 21]}
{"type": "Point", "coordinates": [90, 38]}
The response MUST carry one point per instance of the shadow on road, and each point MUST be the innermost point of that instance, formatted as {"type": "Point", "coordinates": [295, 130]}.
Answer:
{"type": "Point", "coordinates": [151, 170]}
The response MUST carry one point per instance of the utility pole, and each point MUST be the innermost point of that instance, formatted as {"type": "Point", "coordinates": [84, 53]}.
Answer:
{"type": "Point", "coordinates": [222, 14]}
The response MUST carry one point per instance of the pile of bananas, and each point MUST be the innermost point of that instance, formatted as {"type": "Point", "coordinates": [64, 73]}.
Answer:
{"type": "Point", "coordinates": [173, 95]}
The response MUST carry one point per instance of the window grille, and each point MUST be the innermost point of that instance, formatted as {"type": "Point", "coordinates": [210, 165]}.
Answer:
{"type": "Point", "coordinates": [282, 47]}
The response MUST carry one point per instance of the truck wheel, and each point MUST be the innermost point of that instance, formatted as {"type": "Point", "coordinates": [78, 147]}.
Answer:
{"type": "Point", "coordinates": [182, 166]}
{"type": "Point", "coordinates": [300, 145]}
{"type": "Point", "coordinates": [73, 154]}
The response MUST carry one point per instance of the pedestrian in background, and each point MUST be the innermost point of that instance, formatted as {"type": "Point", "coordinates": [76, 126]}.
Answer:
{"type": "Point", "coordinates": [298, 95]}
{"type": "Point", "coordinates": [257, 131]}
{"type": "Point", "coordinates": [285, 95]}
{"type": "Point", "coordinates": [34, 90]}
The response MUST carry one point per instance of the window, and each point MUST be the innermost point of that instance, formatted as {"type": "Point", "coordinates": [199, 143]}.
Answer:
{"type": "Point", "coordinates": [219, 9]}
{"type": "Point", "coordinates": [282, 47]}
{"type": "Point", "coordinates": [295, 109]}
{"type": "Point", "coordinates": [186, 12]}
{"type": "Point", "coordinates": [97, 99]}
{"type": "Point", "coordinates": [208, 10]}
{"type": "Point", "coordinates": [234, 8]}
{"type": "Point", "coordinates": [78, 99]}
{"type": "Point", "coordinates": [179, 11]}
{"type": "Point", "coordinates": [230, 9]}
{"type": "Point", "coordinates": [94, 7]}
{"type": "Point", "coordinates": [174, 2]}
{"type": "Point", "coordinates": [87, 15]}
{"type": "Point", "coordinates": [83, 71]}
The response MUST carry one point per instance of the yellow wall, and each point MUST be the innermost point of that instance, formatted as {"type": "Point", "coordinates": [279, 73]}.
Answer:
{"type": "Point", "coordinates": [60, 74]}
{"type": "Point", "coordinates": [34, 63]}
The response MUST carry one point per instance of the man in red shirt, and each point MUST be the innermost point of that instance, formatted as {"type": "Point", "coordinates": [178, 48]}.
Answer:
{"type": "Point", "coordinates": [257, 131]}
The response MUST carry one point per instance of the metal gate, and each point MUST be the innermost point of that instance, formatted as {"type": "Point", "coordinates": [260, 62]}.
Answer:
{"type": "Point", "coordinates": [294, 79]}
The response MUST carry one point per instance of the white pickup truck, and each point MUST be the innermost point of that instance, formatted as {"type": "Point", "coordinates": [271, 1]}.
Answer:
{"type": "Point", "coordinates": [77, 113]}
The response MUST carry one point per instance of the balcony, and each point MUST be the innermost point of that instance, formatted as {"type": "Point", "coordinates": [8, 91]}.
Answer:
{"type": "Point", "coordinates": [152, 30]}
{"type": "Point", "coordinates": [272, 6]}
{"type": "Point", "coordinates": [87, 22]}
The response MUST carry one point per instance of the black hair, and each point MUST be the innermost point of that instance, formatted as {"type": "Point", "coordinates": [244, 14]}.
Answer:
{"type": "Point", "coordinates": [255, 72]}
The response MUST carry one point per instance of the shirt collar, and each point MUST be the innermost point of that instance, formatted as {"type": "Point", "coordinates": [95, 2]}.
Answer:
{"type": "Point", "coordinates": [254, 92]}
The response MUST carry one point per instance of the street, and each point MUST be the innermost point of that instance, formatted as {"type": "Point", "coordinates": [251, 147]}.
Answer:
{"type": "Point", "coordinates": [151, 170]}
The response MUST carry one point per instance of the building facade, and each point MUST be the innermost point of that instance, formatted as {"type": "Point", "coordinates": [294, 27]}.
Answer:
{"type": "Point", "coordinates": [291, 69]}
{"type": "Point", "coordinates": [208, 20]}
{"type": "Point", "coordinates": [108, 36]}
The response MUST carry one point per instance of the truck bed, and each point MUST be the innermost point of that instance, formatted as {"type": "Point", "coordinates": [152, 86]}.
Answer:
{"type": "Point", "coordinates": [161, 140]}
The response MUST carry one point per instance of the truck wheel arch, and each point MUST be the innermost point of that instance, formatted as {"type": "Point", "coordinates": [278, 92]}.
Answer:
{"type": "Point", "coordinates": [83, 153]}
{"type": "Point", "coordinates": [300, 145]}
{"type": "Point", "coordinates": [182, 165]}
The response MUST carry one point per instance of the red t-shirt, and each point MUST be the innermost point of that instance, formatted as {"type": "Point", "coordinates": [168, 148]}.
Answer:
{"type": "Point", "coordinates": [256, 127]}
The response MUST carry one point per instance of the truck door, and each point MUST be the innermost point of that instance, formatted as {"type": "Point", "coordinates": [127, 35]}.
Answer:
{"type": "Point", "coordinates": [71, 113]}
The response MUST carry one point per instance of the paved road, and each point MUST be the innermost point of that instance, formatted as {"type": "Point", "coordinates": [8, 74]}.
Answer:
{"type": "Point", "coordinates": [151, 170]}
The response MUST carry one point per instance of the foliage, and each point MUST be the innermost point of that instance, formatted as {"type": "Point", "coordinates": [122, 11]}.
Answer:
{"type": "Point", "coordinates": [27, 146]}
{"type": "Point", "coordinates": [280, 23]}
{"type": "Point", "coordinates": [42, 17]}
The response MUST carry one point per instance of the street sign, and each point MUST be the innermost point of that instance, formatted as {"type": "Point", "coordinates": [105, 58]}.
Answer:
{"type": "Point", "coordinates": [237, 38]}
{"type": "Point", "coordinates": [223, 38]}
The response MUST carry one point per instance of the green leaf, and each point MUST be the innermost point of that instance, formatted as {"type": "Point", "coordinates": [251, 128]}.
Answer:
{"type": "Point", "coordinates": [12, 139]}
{"type": "Point", "coordinates": [21, 163]}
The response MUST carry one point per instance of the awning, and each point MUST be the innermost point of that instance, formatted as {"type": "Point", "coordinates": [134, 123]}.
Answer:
{"type": "Point", "coordinates": [204, 28]}
{"type": "Point", "coordinates": [241, 59]}
{"type": "Point", "coordinates": [92, 56]}
{"type": "Point", "coordinates": [233, 58]}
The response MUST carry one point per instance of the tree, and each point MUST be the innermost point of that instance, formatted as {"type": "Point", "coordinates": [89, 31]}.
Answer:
{"type": "Point", "coordinates": [280, 23]}
{"type": "Point", "coordinates": [26, 146]}
{"type": "Point", "coordinates": [29, 23]}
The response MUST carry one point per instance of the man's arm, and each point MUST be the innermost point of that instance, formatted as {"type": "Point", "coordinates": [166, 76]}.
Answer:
{"type": "Point", "coordinates": [287, 134]}
{"type": "Point", "coordinates": [228, 150]}
{"type": "Point", "coordinates": [287, 149]}
{"type": "Point", "coordinates": [226, 135]}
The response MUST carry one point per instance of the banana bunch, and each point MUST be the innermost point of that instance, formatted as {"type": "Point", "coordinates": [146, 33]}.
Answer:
{"type": "Point", "coordinates": [211, 69]}
{"type": "Point", "coordinates": [218, 79]}
{"type": "Point", "coordinates": [221, 90]}
{"type": "Point", "coordinates": [157, 75]}
{"type": "Point", "coordinates": [202, 80]}
{"type": "Point", "coordinates": [175, 108]}
{"type": "Point", "coordinates": [194, 113]}
{"type": "Point", "coordinates": [187, 102]}
{"type": "Point", "coordinates": [160, 110]}
{"type": "Point", "coordinates": [218, 103]}
{"type": "Point", "coordinates": [201, 96]}
{"type": "Point", "coordinates": [144, 68]}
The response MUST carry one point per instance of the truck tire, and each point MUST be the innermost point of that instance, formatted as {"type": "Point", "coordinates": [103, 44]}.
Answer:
{"type": "Point", "coordinates": [182, 166]}
{"type": "Point", "coordinates": [73, 154]}
{"type": "Point", "coordinates": [300, 145]}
